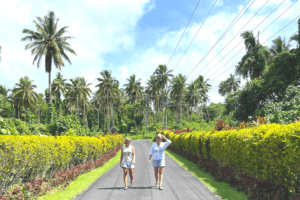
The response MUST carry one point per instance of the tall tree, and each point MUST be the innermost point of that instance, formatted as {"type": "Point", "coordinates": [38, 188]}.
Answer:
{"type": "Point", "coordinates": [109, 90]}
{"type": "Point", "coordinates": [58, 86]}
{"type": "Point", "coordinates": [279, 45]}
{"type": "Point", "coordinates": [231, 84]}
{"type": "Point", "coordinates": [163, 75]}
{"type": "Point", "coordinates": [253, 63]}
{"type": "Point", "coordinates": [134, 90]}
{"type": "Point", "coordinates": [4, 91]}
{"type": "Point", "coordinates": [50, 42]}
{"type": "Point", "coordinates": [192, 96]}
{"type": "Point", "coordinates": [152, 91]}
{"type": "Point", "coordinates": [25, 93]}
{"type": "Point", "coordinates": [177, 91]}
{"type": "Point", "coordinates": [296, 37]}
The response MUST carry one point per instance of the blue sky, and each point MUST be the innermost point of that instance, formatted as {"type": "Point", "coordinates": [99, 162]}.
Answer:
{"type": "Point", "coordinates": [135, 36]}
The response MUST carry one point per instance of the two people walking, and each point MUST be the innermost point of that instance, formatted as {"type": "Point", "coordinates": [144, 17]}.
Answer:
{"type": "Point", "coordinates": [127, 160]}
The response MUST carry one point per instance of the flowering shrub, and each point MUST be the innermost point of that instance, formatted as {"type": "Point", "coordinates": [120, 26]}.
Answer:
{"type": "Point", "coordinates": [38, 186]}
{"type": "Point", "coordinates": [23, 158]}
{"type": "Point", "coordinates": [269, 152]}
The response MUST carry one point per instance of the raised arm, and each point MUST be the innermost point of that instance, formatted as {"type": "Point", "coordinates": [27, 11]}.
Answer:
{"type": "Point", "coordinates": [167, 143]}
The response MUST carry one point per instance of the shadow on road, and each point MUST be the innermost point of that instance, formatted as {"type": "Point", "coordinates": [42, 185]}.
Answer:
{"type": "Point", "coordinates": [129, 188]}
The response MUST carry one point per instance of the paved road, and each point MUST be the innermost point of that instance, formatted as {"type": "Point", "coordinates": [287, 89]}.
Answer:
{"type": "Point", "coordinates": [177, 182]}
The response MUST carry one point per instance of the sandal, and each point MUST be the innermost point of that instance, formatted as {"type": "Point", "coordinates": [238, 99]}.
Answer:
{"type": "Point", "coordinates": [131, 184]}
{"type": "Point", "coordinates": [155, 185]}
{"type": "Point", "coordinates": [125, 188]}
{"type": "Point", "coordinates": [161, 188]}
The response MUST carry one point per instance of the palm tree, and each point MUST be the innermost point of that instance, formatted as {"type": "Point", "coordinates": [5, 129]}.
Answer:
{"type": "Point", "coordinates": [134, 90]}
{"type": "Point", "coordinates": [177, 90]}
{"type": "Point", "coordinates": [48, 41]}
{"type": "Point", "coordinates": [109, 89]}
{"type": "Point", "coordinates": [79, 88]}
{"type": "Point", "coordinates": [296, 37]}
{"type": "Point", "coordinates": [24, 91]}
{"type": "Point", "coordinates": [253, 63]}
{"type": "Point", "coordinates": [192, 96]}
{"type": "Point", "coordinates": [96, 100]}
{"type": "Point", "coordinates": [163, 77]}
{"type": "Point", "coordinates": [152, 91]}
{"type": "Point", "coordinates": [4, 91]}
{"type": "Point", "coordinates": [58, 86]}
{"type": "Point", "coordinates": [202, 84]}
{"type": "Point", "coordinates": [279, 45]}
{"type": "Point", "coordinates": [231, 84]}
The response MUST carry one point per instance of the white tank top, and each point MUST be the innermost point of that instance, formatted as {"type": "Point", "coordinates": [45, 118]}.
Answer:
{"type": "Point", "coordinates": [127, 154]}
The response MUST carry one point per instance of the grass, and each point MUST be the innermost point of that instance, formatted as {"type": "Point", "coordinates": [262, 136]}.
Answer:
{"type": "Point", "coordinates": [82, 182]}
{"type": "Point", "coordinates": [223, 190]}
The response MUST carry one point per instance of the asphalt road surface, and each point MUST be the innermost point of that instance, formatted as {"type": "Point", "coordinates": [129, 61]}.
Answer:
{"type": "Point", "coordinates": [178, 183]}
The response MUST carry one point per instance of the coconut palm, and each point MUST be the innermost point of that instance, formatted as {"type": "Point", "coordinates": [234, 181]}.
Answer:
{"type": "Point", "coordinates": [202, 84]}
{"type": "Point", "coordinates": [96, 100]}
{"type": "Point", "coordinates": [177, 91]}
{"type": "Point", "coordinates": [25, 93]}
{"type": "Point", "coordinates": [4, 91]}
{"type": "Point", "coordinates": [152, 91]}
{"type": "Point", "coordinates": [296, 37]}
{"type": "Point", "coordinates": [58, 86]}
{"type": "Point", "coordinates": [192, 96]}
{"type": "Point", "coordinates": [109, 90]}
{"type": "Point", "coordinates": [163, 77]}
{"type": "Point", "coordinates": [86, 92]}
{"type": "Point", "coordinates": [279, 45]}
{"type": "Point", "coordinates": [253, 63]}
{"type": "Point", "coordinates": [50, 42]}
{"type": "Point", "coordinates": [231, 84]}
{"type": "Point", "coordinates": [134, 90]}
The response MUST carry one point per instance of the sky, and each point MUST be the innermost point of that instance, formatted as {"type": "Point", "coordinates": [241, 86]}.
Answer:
{"type": "Point", "coordinates": [135, 36]}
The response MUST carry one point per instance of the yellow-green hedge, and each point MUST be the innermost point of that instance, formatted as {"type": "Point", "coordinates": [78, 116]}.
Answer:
{"type": "Point", "coordinates": [25, 157]}
{"type": "Point", "coordinates": [268, 152]}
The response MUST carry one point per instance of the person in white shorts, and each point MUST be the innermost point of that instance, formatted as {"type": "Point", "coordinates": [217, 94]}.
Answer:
{"type": "Point", "coordinates": [158, 153]}
{"type": "Point", "coordinates": [127, 161]}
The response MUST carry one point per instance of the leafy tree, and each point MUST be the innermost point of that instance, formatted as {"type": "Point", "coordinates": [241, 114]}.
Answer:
{"type": "Point", "coordinates": [24, 91]}
{"type": "Point", "coordinates": [50, 42]}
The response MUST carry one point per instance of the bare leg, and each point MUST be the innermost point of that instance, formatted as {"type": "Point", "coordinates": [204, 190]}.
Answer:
{"type": "Point", "coordinates": [156, 174]}
{"type": "Point", "coordinates": [161, 170]}
{"type": "Point", "coordinates": [125, 176]}
{"type": "Point", "coordinates": [131, 176]}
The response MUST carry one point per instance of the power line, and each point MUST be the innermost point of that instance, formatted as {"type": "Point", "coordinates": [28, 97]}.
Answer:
{"type": "Point", "coordinates": [241, 40]}
{"type": "Point", "coordinates": [263, 43]}
{"type": "Point", "coordinates": [219, 39]}
{"type": "Point", "coordinates": [195, 35]}
{"type": "Point", "coordinates": [235, 36]}
{"type": "Point", "coordinates": [183, 32]}
{"type": "Point", "coordinates": [263, 30]}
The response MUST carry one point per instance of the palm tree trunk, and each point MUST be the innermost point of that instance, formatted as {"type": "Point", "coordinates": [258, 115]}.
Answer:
{"type": "Point", "coordinates": [202, 111]}
{"type": "Point", "coordinates": [98, 118]}
{"type": "Point", "coordinates": [207, 111]}
{"type": "Point", "coordinates": [112, 117]}
{"type": "Point", "coordinates": [134, 118]}
{"type": "Point", "coordinates": [158, 110]}
{"type": "Point", "coordinates": [177, 114]}
{"type": "Point", "coordinates": [108, 123]}
{"type": "Point", "coordinates": [25, 110]}
{"type": "Point", "coordinates": [154, 114]}
{"type": "Point", "coordinates": [180, 113]}
{"type": "Point", "coordinates": [84, 117]}
{"type": "Point", "coordinates": [191, 113]}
